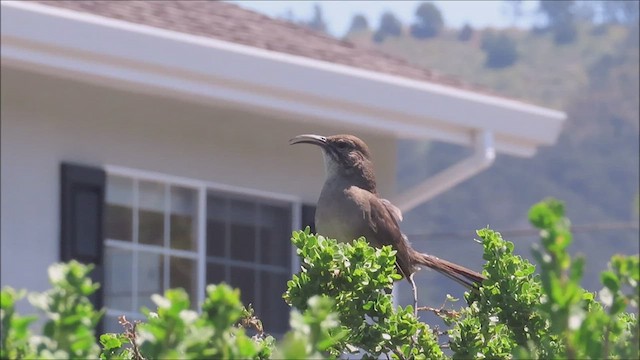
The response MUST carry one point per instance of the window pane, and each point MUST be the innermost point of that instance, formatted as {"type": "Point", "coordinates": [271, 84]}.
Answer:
{"type": "Point", "coordinates": [150, 275]}
{"type": "Point", "coordinates": [215, 273]}
{"type": "Point", "coordinates": [273, 311]}
{"type": "Point", "coordinates": [216, 229]}
{"type": "Point", "coordinates": [216, 232]}
{"type": "Point", "coordinates": [243, 230]}
{"type": "Point", "coordinates": [275, 232]}
{"type": "Point", "coordinates": [118, 212]}
{"type": "Point", "coordinates": [151, 195]}
{"type": "Point", "coordinates": [244, 279]}
{"type": "Point", "coordinates": [118, 287]}
{"type": "Point", "coordinates": [151, 213]}
{"type": "Point", "coordinates": [111, 324]}
{"type": "Point", "coordinates": [243, 212]}
{"type": "Point", "coordinates": [183, 275]}
{"type": "Point", "coordinates": [151, 230]}
{"type": "Point", "coordinates": [183, 218]}
{"type": "Point", "coordinates": [216, 207]}
{"type": "Point", "coordinates": [242, 242]}
{"type": "Point", "coordinates": [120, 191]}
{"type": "Point", "coordinates": [118, 222]}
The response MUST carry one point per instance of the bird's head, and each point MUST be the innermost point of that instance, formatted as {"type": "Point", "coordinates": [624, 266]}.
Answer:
{"type": "Point", "coordinates": [345, 155]}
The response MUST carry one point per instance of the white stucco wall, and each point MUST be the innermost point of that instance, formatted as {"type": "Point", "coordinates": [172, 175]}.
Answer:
{"type": "Point", "coordinates": [48, 120]}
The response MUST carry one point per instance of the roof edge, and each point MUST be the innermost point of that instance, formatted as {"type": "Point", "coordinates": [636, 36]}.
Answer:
{"type": "Point", "coordinates": [412, 90]}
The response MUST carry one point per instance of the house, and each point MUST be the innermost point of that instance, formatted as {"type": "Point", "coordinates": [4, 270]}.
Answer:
{"type": "Point", "coordinates": [150, 138]}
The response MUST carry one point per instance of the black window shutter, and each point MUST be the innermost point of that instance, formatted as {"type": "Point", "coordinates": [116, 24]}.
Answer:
{"type": "Point", "coordinates": [309, 217]}
{"type": "Point", "coordinates": [82, 197]}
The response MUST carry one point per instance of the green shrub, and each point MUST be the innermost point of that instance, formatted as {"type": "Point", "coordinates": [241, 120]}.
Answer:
{"type": "Point", "coordinates": [343, 306]}
{"type": "Point", "coordinates": [389, 26]}
{"type": "Point", "coordinates": [68, 331]}
{"type": "Point", "coordinates": [359, 279]}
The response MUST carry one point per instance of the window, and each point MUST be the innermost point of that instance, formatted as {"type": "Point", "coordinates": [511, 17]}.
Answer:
{"type": "Point", "coordinates": [245, 248]}
{"type": "Point", "coordinates": [163, 232]}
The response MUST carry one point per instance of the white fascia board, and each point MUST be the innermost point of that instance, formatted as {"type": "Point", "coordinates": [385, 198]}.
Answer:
{"type": "Point", "coordinates": [51, 39]}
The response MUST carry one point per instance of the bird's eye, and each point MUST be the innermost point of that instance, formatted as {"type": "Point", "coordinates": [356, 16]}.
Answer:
{"type": "Point", "coordinates": [342, 145]}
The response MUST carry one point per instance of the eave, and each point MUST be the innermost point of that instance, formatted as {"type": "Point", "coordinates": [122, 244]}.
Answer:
{"type": "Point", "coordinates": [131, 56]}
{"type": "Point", "coordinates": [107, 50]}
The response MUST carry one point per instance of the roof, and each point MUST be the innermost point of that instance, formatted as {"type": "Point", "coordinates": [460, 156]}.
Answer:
{"type": "Point", "coordinates": [221, 55]}
{"type": "Point", "coordinates": [139, 55]}
{"type": "Point", "coordinates": [229, 22]}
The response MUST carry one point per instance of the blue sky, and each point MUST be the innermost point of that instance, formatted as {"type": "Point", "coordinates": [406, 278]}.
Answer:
{"type": "Point", "coordinates": [338, 14]}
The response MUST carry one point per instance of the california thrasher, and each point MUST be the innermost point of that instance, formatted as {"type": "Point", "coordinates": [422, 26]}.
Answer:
{"type": "Point", "coordinates": [349, 207]}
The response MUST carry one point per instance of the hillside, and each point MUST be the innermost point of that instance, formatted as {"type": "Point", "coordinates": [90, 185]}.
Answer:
{"type": "Point", "coordinates": [593, 167]}
{"type": "Point", "coordinates": [555, 71]}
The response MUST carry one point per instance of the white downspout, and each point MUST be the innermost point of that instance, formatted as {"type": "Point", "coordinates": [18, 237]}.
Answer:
{"type": "Point", "coordinates": [481, 159]}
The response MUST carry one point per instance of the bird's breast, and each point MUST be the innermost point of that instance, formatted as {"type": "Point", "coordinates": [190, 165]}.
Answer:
{"type": "Point", "coordinates": [340, 215]}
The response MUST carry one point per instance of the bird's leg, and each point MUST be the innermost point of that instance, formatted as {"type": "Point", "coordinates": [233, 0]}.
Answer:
{"type": "Point", "coordinates": [415, 294]}
{"type": "Point", "coordinates": [414, 338]}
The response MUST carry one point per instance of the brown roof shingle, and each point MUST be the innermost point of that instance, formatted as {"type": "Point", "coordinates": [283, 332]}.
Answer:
{"type": "Point", "coordinates": [229, 22]}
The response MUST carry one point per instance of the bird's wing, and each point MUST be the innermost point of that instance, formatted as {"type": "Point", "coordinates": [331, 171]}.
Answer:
{"type": "Point", "coordinates": [393, 210]}
{"type": "Point", "coordinates": [384, 219]}
{"type": "Point", "coordinates": [385, 230]}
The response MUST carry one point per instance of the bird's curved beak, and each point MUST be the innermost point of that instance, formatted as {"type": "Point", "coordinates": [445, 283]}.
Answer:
{"type": "Point", "coordinates": [309, 139]}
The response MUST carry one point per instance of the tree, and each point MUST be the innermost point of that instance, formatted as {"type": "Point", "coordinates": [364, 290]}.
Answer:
{"type": "Point", "coordinates": [358, 23]}
{"type": "Point", "coordinates": [561, 20]}
{"type": "Point", "coordinates": [465, 33]}
{"type": "Point", "coordinates": [557, 11]}
{"type": "Point", "coordinates": [389, 26]}
{"type": "Point", "coordinates": [619, 11]}
{"type": "Point", "coordinates": [602, 13]}
{"type": "Point", "coordinates": [501, 50]}
{"type": "Point", "coordinates": [317, 21]}
{"type": "Point", "coordinates": [586, 11]}
{"type": "Point", "coordinates": [429, 21]}
{"type": "Point", "coordinates": [565, 33]}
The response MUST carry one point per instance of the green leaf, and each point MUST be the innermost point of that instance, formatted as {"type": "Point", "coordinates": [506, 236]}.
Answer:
{"type": "Point", "coordinates": [619, 304]}
{"type": "Point", "coordinates": [544, 214]}
{"type": "Point", "coordinates": [610, 280]}
{"type": "Point", "coordinates": [110, 341]}
{"type": "Point", "coordinates": [577, 269]}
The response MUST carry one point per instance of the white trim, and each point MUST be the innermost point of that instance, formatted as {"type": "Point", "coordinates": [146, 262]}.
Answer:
{"type": "Point", "coordinates": [296, 224]}
{"type": "Point", "coordinates": [189, 182]}
{"type": "Point", "coordinates": [248, 265]}
{"type": "Point", "coordinates": [257, 281]}
{"type": "Point", "coordinates": [153, 249]}
{"type": "Point", "coordinates": [272, 83]}
{"type": "Point", "coordinates": [202, 244]}
{"type": "Point", "coordinates": [166, 241]}
{"type": "Point", "coordinates": [135, 288]}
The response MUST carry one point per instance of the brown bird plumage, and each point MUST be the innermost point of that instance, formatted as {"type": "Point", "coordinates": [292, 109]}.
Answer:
{"type": "Point", "coordinates": [349, 207]}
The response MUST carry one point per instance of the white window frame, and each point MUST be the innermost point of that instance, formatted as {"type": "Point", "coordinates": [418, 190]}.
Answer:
{"type": "Point", "coordinates": [201, 187]}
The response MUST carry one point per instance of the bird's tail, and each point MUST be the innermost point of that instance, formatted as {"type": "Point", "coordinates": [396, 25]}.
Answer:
{"type": "Point", "coordinates": [460, 274]}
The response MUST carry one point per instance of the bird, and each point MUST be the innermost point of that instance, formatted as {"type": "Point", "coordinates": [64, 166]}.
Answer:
{"type": "Point", "coordinates": [350, 207]}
